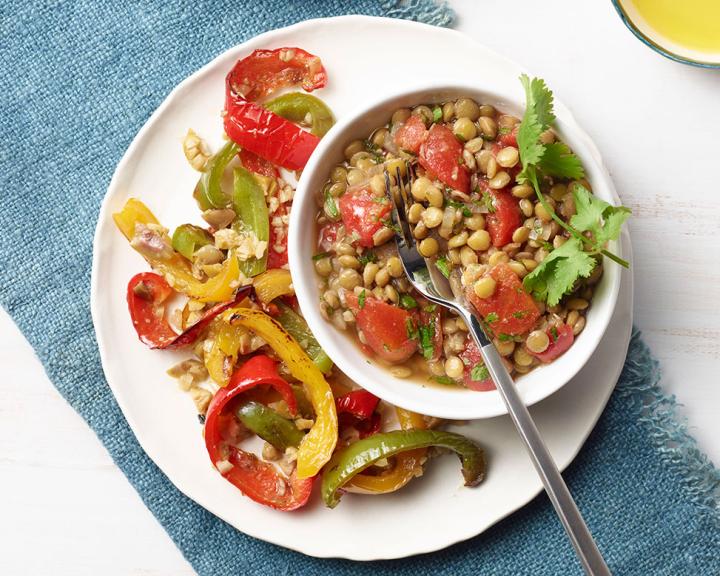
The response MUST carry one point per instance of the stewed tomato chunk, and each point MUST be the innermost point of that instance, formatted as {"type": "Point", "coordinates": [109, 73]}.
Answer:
{"type": "Point", "coordinates": [441, 155]}
{"type": "Point", "coordinates": [561, 338]}
{"type": "Point", "coordinates": [411, 134]}
{"type": "Point", "coordinates": [509, 310]}
{"type": "Point", "coordinates": [384, 327]}
{"type": "Point", "coordinates": [363, 213]}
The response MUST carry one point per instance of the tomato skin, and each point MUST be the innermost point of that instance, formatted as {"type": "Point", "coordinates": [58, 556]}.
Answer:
{"type": "Point", "coordinates": [278, 259]}
{"type": "Point", "coordinates": [471, 357]}
{"type": "Point", "coordinates": [505, 219]}
{"type": "Point", "coordinates": [515, 309]}
{"type": "Point", "coordinates": [509, 139]}
{"type": "Point", "coordinates": [411, 134]}
{"type": "Point", "coordinates": [328, 236]}
{"type": "Point", "coordinates": [558, 346]}
{"type": "Point", "coordinates": [441, 155]}
{"type": "Point", "coordinates": [255, 163]}
{"type": "Point", "coordinates": [265, 71]}
{"type": "Point", "coordinates": [384, 327]}
{"type": "Point", "coordinates": [362, 213]}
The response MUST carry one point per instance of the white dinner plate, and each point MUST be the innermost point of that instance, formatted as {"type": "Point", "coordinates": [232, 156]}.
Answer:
{"type": "Point", "coordinates": [163, 418]}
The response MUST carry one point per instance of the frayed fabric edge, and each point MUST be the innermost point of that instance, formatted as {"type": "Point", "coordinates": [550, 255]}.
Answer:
{"type": "Point", "coordinates": [640, 384]}
{"type": "Point", "coordinates": [434, 12]}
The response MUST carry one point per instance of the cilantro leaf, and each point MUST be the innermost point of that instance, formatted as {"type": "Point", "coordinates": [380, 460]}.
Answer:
{"type": "Point", "coordinates": [492, 317]}
{"type": "Point", "coordinates": [537, 118]}
{"type": "Point", "coordinates": [539, 98]}
{"type": "Point", "coordinates": [557, 274]}
{"type": "Point", "coordinates": [596, 216]}
{"type": "Point", "coordinates": [367, 257]}
{"type": "Point", "coordinates": [361, 299]}
{"type": "Point", "coordinates": [320, 256]}
{"type": "Point", "coordinates": [411, 329]}
{"type": "Point", "coordinates": [558, 160]}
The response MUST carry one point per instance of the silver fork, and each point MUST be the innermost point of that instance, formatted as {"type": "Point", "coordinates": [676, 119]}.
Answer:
{"type": "Point", "coordinates": [430, 282]}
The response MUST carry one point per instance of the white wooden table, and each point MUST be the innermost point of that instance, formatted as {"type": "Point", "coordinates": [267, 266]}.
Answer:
{"type": "Point", "coordinates": [65, 509]}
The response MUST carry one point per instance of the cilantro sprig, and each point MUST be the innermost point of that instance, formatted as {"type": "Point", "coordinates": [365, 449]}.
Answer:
{"type": "Point", "coordinates": [595, 223]}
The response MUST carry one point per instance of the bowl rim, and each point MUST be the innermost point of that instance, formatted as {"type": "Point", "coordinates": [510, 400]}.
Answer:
{"type": "Point", "coordinates": [327, 335]}
{"type": "Point", "coordinates": [656, 46]}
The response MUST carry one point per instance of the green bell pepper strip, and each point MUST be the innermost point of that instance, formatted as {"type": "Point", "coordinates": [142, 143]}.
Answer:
{"type": "Point", "coordinates": [295, 107]}
{"type": "Point", "coordinates": [304, 406]}
{"type": "Point", "coordinates": [252, 216]}
{"type": "Point", "coordinates": [269, 425]}
{"type": "Point", "coordinates": [187, 238]}
{"type": "Point", "coordinates": [363, 453]}
{"type": "Point", "coordinates": [208, 192]}
{"type": "Point", "coordinates": [295, 325]}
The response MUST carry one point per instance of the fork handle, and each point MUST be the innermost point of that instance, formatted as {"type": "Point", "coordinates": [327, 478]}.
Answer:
{"type": "Point", "coordinates": [565, 507]}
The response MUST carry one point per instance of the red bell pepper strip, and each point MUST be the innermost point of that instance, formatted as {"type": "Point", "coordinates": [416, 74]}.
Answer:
{"type": "Point", "coordinates": [265, 71]}
{"type": "Point", "coordinates": [146, 294]}
{"type": "Point", "coordinates": [357, 408]}
{"type": "Point", "coordinates": [266, 134]}
{"type": "Point", "coordinates": [258, 130]}
{"type": "Point", "coordinates": [256, 479]}
{"type": "Point", "coordinates": [359, 403]}
{"type": "Point", "coordinates": [259, 370]}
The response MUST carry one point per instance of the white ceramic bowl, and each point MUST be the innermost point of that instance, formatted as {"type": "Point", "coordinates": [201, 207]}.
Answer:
{"type": "Point", "coordinates": [415, 394]}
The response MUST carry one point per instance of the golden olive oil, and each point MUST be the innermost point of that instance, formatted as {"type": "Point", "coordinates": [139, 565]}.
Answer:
{"type": "Point", "coordinates": [692, 24]}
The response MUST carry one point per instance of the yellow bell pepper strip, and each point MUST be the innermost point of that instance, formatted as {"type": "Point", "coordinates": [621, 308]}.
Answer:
{"type": "Point", "coordinates": [317, 447]}
{"type": "Point", "coordinates": [151, 241]}
{"type": "Point", "coordinates": [295, 325]}
{"type": "Point", "coordinates": [407, 465]}
{"type": "Point", "coordinates": [272, 284]}
{"type": "Point", "coordinates": [296, 107]}
{"type": "Point", "coordinates": [208, 192]}
{"type": "Point", "coordinates": [363, 453]}
{"type": "Point", "coordinates": [252, 214]}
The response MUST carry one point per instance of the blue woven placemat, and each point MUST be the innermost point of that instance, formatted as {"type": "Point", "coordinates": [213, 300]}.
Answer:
{"type": "Point", "coordinates": [79, 80]}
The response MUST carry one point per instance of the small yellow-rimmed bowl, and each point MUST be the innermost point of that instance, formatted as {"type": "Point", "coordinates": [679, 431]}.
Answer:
{"type": "Point", "coordinates": [662, 45]}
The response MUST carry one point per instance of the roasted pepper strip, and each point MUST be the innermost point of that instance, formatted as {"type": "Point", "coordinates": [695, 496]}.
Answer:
{"type": "Point", "coordinates": [269, 425]}
{"type": "Point", "coordinates": [363, 453]}
{"type": "Point", "coordinates": [148, 238]}
{"type": "Point", "coordinates": [266, 134]}
{"type": "Point", "coordinates": [300, 107]}
{"type": "Point", "coordinates": [256, 479]}
{"type": "Point", "coordinates": [252, 216]}
{"type": "Point", "coordinates": [295, 325]}
{"type": "Point", "coordinates": [187, 238]}
{"type": "Point", "coordinates": [265, 71]}
{"type": "Point", "coordinates": [259, 370]}
{"type": "Point", "coordinates": [273, 284]}
{"type": "Point", "coordinates": [407, 465]}
{"type": "Point", "coordinates": [208, 191]}
{"type": "Point", "coordinates": [146, 295]}
{"type": "Point", "coordinates": [360, 404]}
{"type": "Point", "coordinates": [318, 445]}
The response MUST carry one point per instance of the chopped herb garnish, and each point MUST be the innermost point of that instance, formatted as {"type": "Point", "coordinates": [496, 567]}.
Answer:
{"type": "Point", "coordinates": [361, 299]}
{"type": "Point", "coordinates": [492, 317]}
{"type": "Point", "coordinates": [445, 380]}
{"type": "Point", "coordinates": [430, 308]}
{"type": "Point", "coordinates": [330, 206]}
{"type": "Point", "coordinates": [320, 256]}
{"type": "Point", "coordinates": [390, 224]}
{"type": "Point", "coordinates": [437, 114]}
{"type": "Point", "coordinates": [367, 257]}
{"type": "Point", "coordinates": [489, 201]}
{"type": "Point", "coordinates": [520, 314]}
{"type": "Point", "coordinates": [411, 329]}
{"type": "Point", "coordinates": [554, 333]}
{"type": "Point", "coordinates": [479, 373]}
{"type": "Point", "coordinates": [427, 333]}
{"type": "Point", "coordinates": [407, 302]}
{"type": "Point", "coordinates": [504, 337]}
{"type": "Point", "coordinates": [444, 266]}
{"type": "Point", "coordinates": [504, 130]}
{"type": "Point", "coordinates": [460, 206]}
